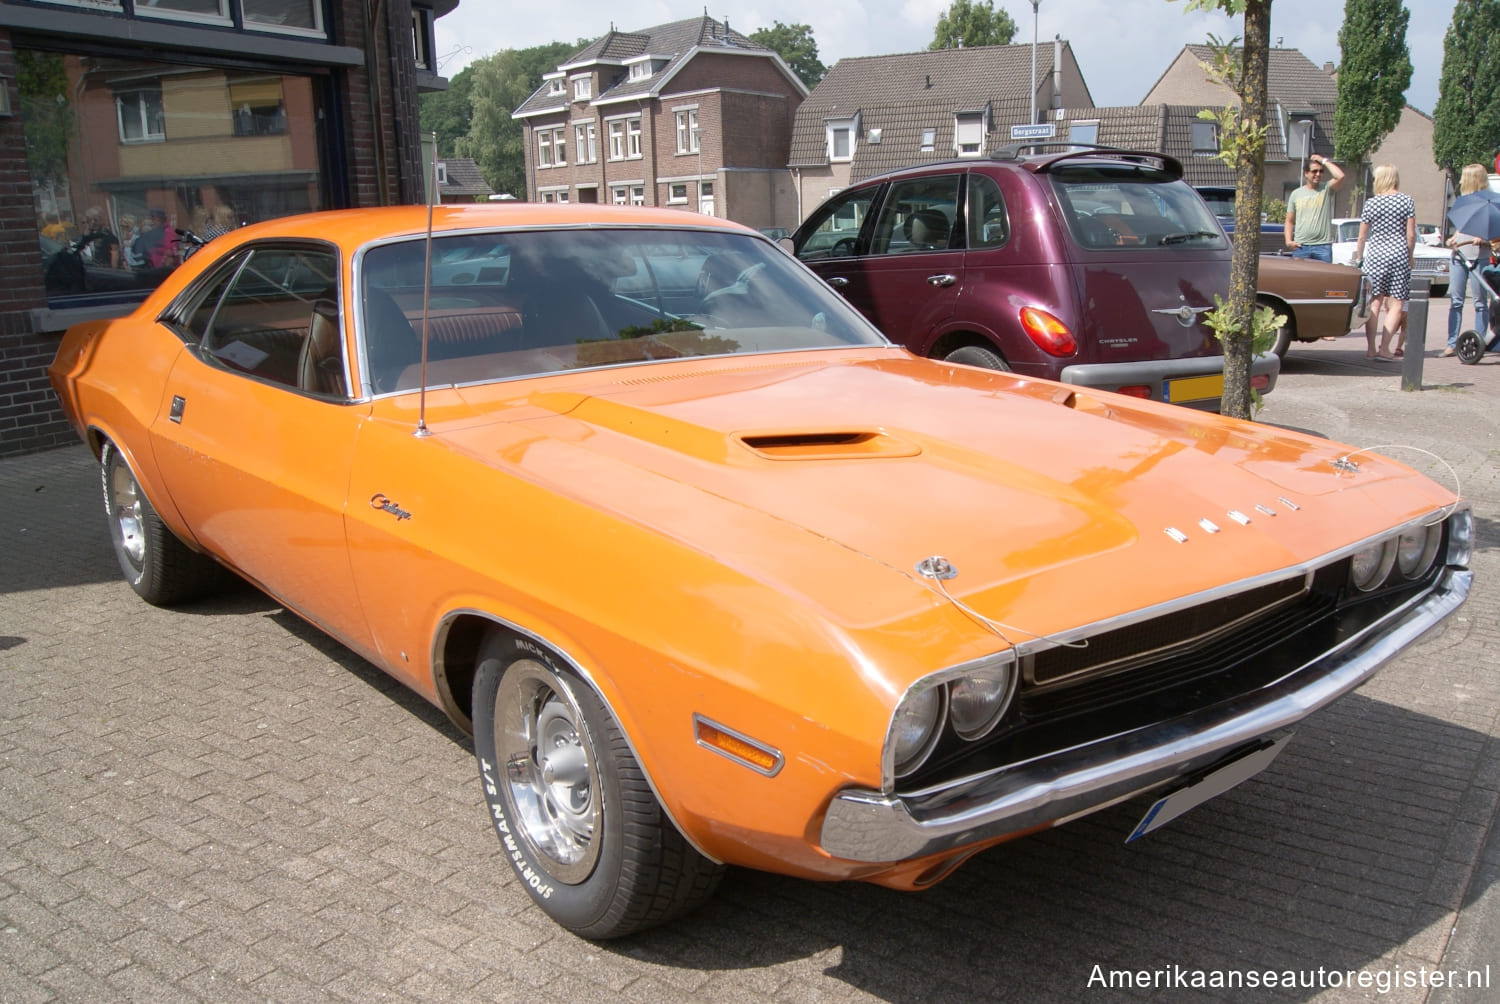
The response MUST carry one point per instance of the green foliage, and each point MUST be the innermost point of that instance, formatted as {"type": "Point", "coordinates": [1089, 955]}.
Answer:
{"type": "Point", "coordinates": [447, 113]}
{"type": "Point", "coordinates": [972, 22]}
{"type": "Point", "coordinates": [500, 84]}
{"type": "Point", "coordinates": [1240, 138]}
{"type": "Point", "coordinates": [1226, 324]}
{"type": "Point", "coordinates": [1374, 72]}
{"type": "Point", "coordinates": [1273, 209]}
{"type": "Point", "coordinates": [796, 45]}
{"type": "Point", "coordinates": [1466, 122]}
{"type": "Point", "coordinates": [46, 113]}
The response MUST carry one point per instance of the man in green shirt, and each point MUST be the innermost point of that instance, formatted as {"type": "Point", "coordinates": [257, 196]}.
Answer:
{"type": "Point", "coordinates": [1309, 210]}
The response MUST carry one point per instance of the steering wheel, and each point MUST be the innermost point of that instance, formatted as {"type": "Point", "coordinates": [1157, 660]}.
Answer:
{"type": "Point", "coordinates": [843, 247]}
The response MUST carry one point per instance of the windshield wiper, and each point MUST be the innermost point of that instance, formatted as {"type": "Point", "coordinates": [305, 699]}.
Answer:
{"type": "Point", "coordinates": [1189, 236]}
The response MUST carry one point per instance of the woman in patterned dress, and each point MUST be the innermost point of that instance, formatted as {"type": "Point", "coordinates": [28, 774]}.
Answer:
{"type": "Point", "coordinates": [1389, 226]}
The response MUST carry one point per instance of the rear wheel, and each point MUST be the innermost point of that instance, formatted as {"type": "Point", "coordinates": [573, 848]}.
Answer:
{"type": "Point", "coordinates": [578, 820]}
{"type": "Point", "coordinates": [1470, 347]}
{"type": "Point", "coordinates": [158, 566]}
{"type": "Point", "coordinates": [1284, 334]}
{"type": "Point", "coordinates": [977, 355]}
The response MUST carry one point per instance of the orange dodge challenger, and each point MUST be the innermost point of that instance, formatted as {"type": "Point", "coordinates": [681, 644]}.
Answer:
{"type": "Point", "coordinates": [712, 572]}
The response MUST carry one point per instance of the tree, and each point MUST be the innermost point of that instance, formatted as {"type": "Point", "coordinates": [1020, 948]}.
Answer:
{"type": "Point", "coordinates": [46, 113]}
{"type": "Point", "coordinates": [1466, 122]}
{"type": "Point", "coordinates": [1242, 145]}
{"type": "Point", "coordinates": [795, 44]}
{"type": "Point", "coordinates": [1374, 72]}
{"type": "Point", "coordinates": [970, 23]}
{"type": "Point", "coordinates": [500, 84]}
{"type": "Point", "coordinates": [447, 113]}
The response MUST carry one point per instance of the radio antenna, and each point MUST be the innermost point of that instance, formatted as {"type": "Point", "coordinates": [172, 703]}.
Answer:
{"type": "Point", "coordinates": [432, 197]}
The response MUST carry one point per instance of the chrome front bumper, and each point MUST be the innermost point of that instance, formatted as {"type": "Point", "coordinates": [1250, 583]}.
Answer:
{"type": "Point", "coordinates": [864, 825]}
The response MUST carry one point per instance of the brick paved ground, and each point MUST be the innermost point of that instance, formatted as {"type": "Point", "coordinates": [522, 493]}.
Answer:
{"type": "Point", "coordinates": [218, 803]}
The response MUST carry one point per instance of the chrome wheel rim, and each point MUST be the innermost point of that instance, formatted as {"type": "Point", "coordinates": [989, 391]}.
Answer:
{"type": "Point", "coordinates": [123, 496]}
{"type": "Point", "coordinates": [551, 773]}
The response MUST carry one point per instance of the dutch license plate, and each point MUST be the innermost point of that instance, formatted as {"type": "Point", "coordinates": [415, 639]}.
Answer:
{"type": "Point", "coordinates": [1194, 388]}
{"type": "Point", "coordinates": [1216, 782]}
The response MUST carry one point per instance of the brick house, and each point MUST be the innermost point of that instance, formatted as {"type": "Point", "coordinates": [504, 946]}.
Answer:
{"type": "Point", "coordinates": [135, 113]}
{"type": "Point", "coordinates": [689, 114]}
{"type": "Point", "coordinates": [1302, 97]}
{"type": "Point", "coordinates": [873, 114]}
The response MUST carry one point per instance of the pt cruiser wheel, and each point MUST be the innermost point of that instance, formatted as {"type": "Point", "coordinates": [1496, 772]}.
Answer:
{"type": "Point", "coordinates": [574, 813]}
{"type": "Point", "coordinates": [159, 567]}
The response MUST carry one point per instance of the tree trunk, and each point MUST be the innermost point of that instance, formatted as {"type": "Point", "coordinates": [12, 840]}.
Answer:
{"type": "Point", "coordinates": [1250, 176]}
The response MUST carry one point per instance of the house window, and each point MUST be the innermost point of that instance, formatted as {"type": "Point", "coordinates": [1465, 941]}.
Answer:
{"type": "Point", "coordinates": [188, 10]}
{"type": "Point", "coordinates": [1083, 132]}
{"type": "Point", "coordinates": [968, 133]}
{"type": "Point", "coordinates": [677, 193]}
{"type": "Point", "coordinates": [298, 16]}
{"type": "Point", "coordinates": [544, 148]}
{"type": "Point", "coordinates": [560, 146]}
{"type": "Point", "coordinates": [633, 195]}
{"type": "Point", "coordinates": [633, 136]}
{"type": "Point", "coordinates": [841, 141]}
{"type": "Point", "coordinates": [555, 85]}
{"type": "Point", "coordinates": [687, 130]}
{"type": "Point", "coordinates": [140, 116]}
{"type": "Point", "coordinates": [442, 173]}
{"type": "Point", "coordinates": [929, 140]}
{"type": "Point", "coordinates": [421, 37]}
{"type": "Point", "coordinates": [553, 194]}
{"type": "Point", "coordinates": [257, 107]}
{"type": "Point", "coordinates": [583, 88]}
{"type": "Point", "coordinates": [617, 140]}
{"type": "Point", "coordinates": [637, 195]}
{"type": "Point", "coordinates": [641, 70]}
{"type": "Point", "coordinates": [1205, 139]}
{"type": "Point", "coordinates": [587, 141]}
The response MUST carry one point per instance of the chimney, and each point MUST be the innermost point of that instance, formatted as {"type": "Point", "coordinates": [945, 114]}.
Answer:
{"type": "Point", "coordinates": [1328, 68]}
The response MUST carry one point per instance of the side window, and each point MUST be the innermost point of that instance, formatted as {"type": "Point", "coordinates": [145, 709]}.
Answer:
{"type": "Point", "coordinates": [917, 216]}
{"type": "Point", "coordinates": [835, 227]}
{"type": "Point", "coordinates": [989, 223]}
{"type": "Point", "coordinates": [278, 320]}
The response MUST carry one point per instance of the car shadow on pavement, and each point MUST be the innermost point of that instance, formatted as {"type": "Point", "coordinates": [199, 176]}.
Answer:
{"type": "Point", "coordinates": [1352, 846]}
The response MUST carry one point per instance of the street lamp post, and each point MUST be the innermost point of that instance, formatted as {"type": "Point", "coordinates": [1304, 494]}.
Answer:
{"type": "Point", "coordinates": [698, 142]}
{"type": "Point", "coordinates": [1035, 8]}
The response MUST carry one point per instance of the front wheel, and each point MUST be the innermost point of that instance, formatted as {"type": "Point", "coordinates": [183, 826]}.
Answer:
{"type": "Point", "coordinates": [977, 355]}
{"type": "Point", "coordinates": [573, 810]}
{"type": "Point", "coordinates": [159, 567]}
{"type": "Point", "coordinates": [1470, 347]}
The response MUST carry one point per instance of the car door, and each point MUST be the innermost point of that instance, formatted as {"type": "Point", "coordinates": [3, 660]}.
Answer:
{"type": "Point", "coordinates": [255, 436]}
{"type": "Point", "coordinates": [908, 267]}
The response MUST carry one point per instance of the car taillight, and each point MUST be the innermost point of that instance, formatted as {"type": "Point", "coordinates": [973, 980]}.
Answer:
{"type": "Point", "coordinates": [1260, 382]}
{"type": "Point", "coordinates": [1139, 390]}
{"type": "Point", "coordinates": [1050, 334]}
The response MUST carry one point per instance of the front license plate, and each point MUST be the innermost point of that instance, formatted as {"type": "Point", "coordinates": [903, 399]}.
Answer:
{"type": "Point", "coordinates": [1194, 388]}
{"type": "Point", "coordinates": [1216, 782]}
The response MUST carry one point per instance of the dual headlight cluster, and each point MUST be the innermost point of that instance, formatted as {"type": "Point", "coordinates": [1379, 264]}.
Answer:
{"type": "Point", "coordinates": [1398, 558]}
{"type": "Point", "coordinates": [968, 701]}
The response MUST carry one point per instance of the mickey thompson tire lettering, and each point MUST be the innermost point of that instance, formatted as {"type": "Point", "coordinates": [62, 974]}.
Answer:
{"type": "Point", "coordinates": [576, 818]}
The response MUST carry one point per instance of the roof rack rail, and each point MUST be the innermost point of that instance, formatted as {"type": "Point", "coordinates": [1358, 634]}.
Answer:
{"type": "Point", "coordinates": [1067, 151]}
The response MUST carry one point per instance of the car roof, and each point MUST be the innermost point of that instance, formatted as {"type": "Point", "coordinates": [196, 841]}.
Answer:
{"type": "Point", "coordinates": [1037, 162]}
{"type": "Point", "coordinates": [356, 227]}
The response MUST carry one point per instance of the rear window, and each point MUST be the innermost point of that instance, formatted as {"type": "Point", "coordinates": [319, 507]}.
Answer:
{"type": "Point", "coordinates": [1121, 207]}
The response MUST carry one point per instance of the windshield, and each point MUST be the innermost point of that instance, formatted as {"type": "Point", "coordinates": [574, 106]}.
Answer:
{"type": "Point", "coordinates": [1116, 206]}
{"type": "Point", "coordinates": [519, 303]}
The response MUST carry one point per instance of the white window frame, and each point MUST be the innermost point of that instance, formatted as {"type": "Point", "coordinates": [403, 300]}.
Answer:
{"type": "Point", "coordinates": [616, 139]}
{"type": "Point", "coordinates": [421, 21]}
{"type": "Point", "coordinates": [673, 196]}
{"type": "Point", "coordinates": [583, 87]}
{"type": "Point", "coordinates": [586, 140]}
{"type": "Point", "coordinates": [141, 113]}
{"type": "Point", "coordinates": [964, 125]}
{"type": "Point", "coordinates": [1090, 124]}
{"type": "Point", "coordinates": [553, 193]}
{"type": "Point", "coordinates": [929, 140]}
{"type": "Point", "coordinates": [556, 85]}
{"type": "Point", "coordinates": [833, 129]}
{"type": "Point", "coordinates": [640, 70]}
{"type": "Point", "coordinates": [442, 172]}
{"type": "Point", "coordinates": [633, 138]}
{"type": "Point", "coordinates": [559, 146]}
{"type": "Point", "coordinates": [687, 129]}
{"type": "Point", "coordinates": [315, 8]}
{"type": "Point", "coordinates": [706, 197]}
{"type": "Point", "coordinates": [544, 147]}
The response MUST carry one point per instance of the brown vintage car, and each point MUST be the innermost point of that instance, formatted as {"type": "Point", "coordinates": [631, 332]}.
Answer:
{"type": "Point", "coordinates": [1318, 299]}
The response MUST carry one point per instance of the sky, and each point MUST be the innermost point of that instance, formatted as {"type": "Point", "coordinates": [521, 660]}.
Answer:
{"type": "Point", "coordinates": [1122, 46]}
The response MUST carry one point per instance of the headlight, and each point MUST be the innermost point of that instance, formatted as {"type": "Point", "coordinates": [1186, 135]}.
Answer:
{"type": "Point", "coordinates": [1371, 564]}
{"type": "Point", "coordinates": [916, 726]}
{"type": "Point", "coordinates": [1416, 548]}
{"type": "Point", "coordinates": [1461, 538]}
{"type": "Point", "coordinates": [976, 702]}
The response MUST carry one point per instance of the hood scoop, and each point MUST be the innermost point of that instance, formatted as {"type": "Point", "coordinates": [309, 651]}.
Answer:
{"type": "Point", "coordinates": [832, 445]}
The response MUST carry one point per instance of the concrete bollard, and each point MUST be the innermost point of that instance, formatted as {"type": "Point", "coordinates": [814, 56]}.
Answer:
{"type": "Point", "coordinates": [1416, 334]}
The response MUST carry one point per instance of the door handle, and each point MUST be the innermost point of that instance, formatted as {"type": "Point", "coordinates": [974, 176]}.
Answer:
{"type": "Point", "coordinates": [178, 404]}
{"type": "Point", "coordinates": [838, 282]}
{"type": "Point", "coordinates": [941, 280]}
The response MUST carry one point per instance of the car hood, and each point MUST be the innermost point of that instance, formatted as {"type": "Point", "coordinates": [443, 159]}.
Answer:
{"type": "Point", "coordinates": [1039, 494]}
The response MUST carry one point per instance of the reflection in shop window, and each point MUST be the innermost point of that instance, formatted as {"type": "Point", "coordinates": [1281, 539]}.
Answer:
{"type": "Point", "coordinates": [122, 154]}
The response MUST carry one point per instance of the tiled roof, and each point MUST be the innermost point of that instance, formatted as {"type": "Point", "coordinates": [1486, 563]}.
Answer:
{"type": "Point", "coordinates": [904, 94]}
{"type": "Point", "coordinates": [672, 42]}
{"type": "Point", "coordinates": [464, 178]}
{"type": "Point", "coordinates": [1300, 87]}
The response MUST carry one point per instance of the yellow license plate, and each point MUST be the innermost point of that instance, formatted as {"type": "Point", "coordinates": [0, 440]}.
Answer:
{"type": "Point", "coordinates": [1194, 388]}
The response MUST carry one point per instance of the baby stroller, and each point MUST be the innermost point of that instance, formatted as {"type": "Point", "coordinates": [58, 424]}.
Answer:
{"type": "Point", "coordinates": [1471, 345]}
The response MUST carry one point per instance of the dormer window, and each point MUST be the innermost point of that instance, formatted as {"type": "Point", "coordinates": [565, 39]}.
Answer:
{"type": "Point", "coordinates": [583, 88]}
{"type": "Point", "coordinates": [841, 137]}
{"type": "Point", "coordinates": [555, 85]}
{"type": "Point", "coordinates": [968, 133]}
{"type": "Point", "coordinates": [640, 71]}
